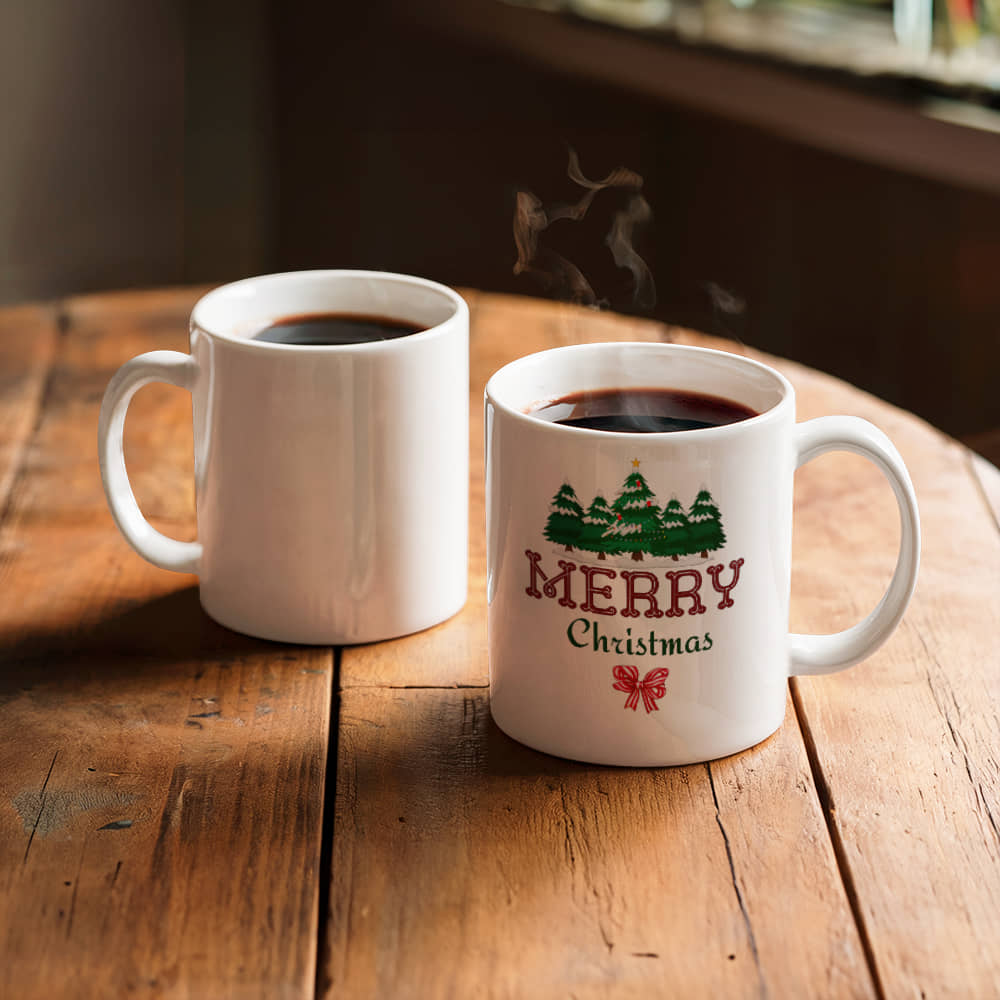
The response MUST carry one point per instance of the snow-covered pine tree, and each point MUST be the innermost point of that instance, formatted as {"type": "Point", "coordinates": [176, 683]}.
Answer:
{"type": "Point", "coordinates": [565, 523]}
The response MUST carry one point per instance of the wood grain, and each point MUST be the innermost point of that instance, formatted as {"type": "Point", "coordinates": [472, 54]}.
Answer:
{"type": "Point", "coordinates": [28, 336]}
{"type": "Point", "coordinates": [987, 475]}
{"type": "Point", "coordinates": [908, 742]}
{"type": "Point", "coordinates": [905, 745]}
{"type": "Point", "coordinates": [467, 865]}
{"type": "Point", "coordinates": [161, 778]}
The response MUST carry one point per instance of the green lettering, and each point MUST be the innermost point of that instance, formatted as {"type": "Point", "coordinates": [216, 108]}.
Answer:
{"type": "Point", "coordinates": [572, 625]}
{"type": "Point", "coordinates": [600, 641]}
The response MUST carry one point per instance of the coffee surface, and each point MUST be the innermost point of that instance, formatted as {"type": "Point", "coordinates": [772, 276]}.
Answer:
{"type": "Point", "coordinates": [643, 410]}
{"type": "Point", "coordinates": [321, 329]}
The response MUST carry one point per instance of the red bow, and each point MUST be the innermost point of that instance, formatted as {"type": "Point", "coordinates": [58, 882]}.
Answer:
{"type": "Point", "coordinates": [651, 687]}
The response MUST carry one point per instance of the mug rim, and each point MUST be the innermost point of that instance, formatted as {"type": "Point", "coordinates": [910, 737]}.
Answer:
{"type": "Point", "coordinates": [772, 413]}
{"type": "Point", "coordinates": [209, 299]}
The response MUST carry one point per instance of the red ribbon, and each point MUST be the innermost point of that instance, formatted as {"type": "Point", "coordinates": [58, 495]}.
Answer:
{"type": "Point", "coordinates": [651, 687]}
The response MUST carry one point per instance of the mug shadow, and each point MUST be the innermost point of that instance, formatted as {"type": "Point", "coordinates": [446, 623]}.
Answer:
{"type": "Point", "coordinates": [135, 638]}
{"type": "Point", "coordinates": [437, 752]}
{"type": "Point", "coordinates": [425, 776]}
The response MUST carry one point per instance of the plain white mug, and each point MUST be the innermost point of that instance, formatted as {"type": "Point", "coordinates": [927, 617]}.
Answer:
{"type": "Point", "coordinates": [638, 583]}
{"type": "Point", "coordinates": [331, 481]}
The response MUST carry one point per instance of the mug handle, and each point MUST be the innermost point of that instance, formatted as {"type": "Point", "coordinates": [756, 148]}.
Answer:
{"type": "Point", "coordinates": [173, 368]}
{"type": "Point", "coordinates": [823, 654]}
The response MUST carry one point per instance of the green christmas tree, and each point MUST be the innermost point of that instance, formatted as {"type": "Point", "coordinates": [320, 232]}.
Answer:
{"type": "Point", "coordinates": [596, 521]}
{"type": "Point", "coordinates": [706, 525]}
{"type": "Point", "coordinates": [637, 518]}
{"type": "Point", "coordinates": [674, 536]}
{"type": "Point", "coordinates": [565, 523]}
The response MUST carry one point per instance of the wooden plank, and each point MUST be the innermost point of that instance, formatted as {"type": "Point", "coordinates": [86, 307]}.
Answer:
{"type": "Point", "coordinates": [161, 778]}
{"type": "Point", "coordinates": [985, 443]}
{"type": "Point", "coordinates": [28, 336]}
{"type": "Point", "coordinates": [503, 327]}
{"type": "Point", "coordinates": [467, 865]}
{"type": "Point", "coordinates": [987, 475]}
{"type": "Point", "coordinates": [906, 744]}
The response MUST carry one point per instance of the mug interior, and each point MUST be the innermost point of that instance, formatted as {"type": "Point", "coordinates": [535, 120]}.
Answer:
{"type": "Point", "coordinates": [539, 380]}
{"type": "Point", "coordinates": [242, 309]}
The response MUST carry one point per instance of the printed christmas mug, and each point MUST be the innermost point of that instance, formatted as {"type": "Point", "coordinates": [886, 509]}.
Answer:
{"type": "Point", "coordinates": [638, 583]}
{"type": "Point", "coordinates": [331, 478]}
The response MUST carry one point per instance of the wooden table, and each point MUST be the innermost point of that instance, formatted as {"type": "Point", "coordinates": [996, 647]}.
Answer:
{"type": "Point", "coordinates": [188, 812]}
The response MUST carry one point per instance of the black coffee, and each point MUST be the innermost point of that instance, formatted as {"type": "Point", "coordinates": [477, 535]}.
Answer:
{"type": "Point", "coordinates": [319, 329]}
{"type": "Point", "coordinates": [647, 411]}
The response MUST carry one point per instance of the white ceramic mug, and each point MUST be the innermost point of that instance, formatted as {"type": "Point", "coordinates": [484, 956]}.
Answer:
{"type": "Point", "coordinates": [643, 657]}
{"type": "Point", "coordinates": [331, 481]}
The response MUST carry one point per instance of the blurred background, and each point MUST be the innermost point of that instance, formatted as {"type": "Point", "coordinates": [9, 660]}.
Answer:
{"type": "Point", "coordinates": [824, 176]}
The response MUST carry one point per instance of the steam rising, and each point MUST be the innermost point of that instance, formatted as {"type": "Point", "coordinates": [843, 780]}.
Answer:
{"type": "Point", "coordinates": [619, 177]}
{"type": "Point", "coordinates": [723, 300]}
{"type": "Point", "coordinates": [554, 271]}
{"type": "Point", "coordinates": [636, 213]}
{"type": "Point", "coordinates": [728, 309]}
{"type": "Point", "coordinates": [557, 274]}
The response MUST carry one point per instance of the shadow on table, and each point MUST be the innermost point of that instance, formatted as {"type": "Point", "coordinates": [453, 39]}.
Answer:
{"type": "Point", "coordinates": [145, 637]}
{"type": "Point", "coordinates": [414, 738]}
{"type": "Point", "coordinates": [439, 812]}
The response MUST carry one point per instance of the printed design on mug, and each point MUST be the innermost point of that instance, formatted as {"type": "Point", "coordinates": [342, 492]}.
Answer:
{"type": "Point", "coordinates": [639, 572]}
{"type": "Point", "coordinates": [634, 524]}
{"type": "Point", "coordinates": [651, 688]}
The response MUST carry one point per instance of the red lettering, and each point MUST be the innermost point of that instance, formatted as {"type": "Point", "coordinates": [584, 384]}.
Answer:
{"type": "Point", "coordinates": [714, 571]}
{"type": "Point", "coordinates": [589, 572]}
{"type": "Point", "coordinates": [632, 595]}
{"type": "Point", "coordinates": [676, 593]}
{"type": "Point", "coordinates": [565, 578]}
{"type": "Point", "coordinates": [549, 585]}
{"type": "Point", "coordinates": [533, 557]}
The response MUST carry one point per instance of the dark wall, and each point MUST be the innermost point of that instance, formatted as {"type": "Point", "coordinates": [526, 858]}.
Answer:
{"type": "Point", "coordinates": [203, 143]}
{"type": "Point", "coordinates": [404, 152]}
{"type": "Point", "coordinates": [134, 143]}
{"type": "Point", "coordinates": [91, 146]}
